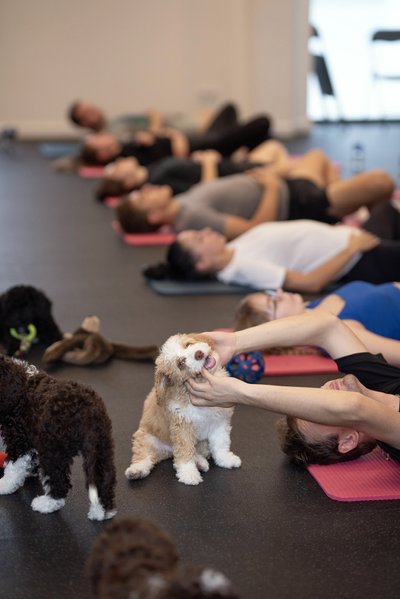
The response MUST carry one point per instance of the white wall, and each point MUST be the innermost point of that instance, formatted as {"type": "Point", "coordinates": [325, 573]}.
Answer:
{"type": "Point", "coordinates": [174, 55]}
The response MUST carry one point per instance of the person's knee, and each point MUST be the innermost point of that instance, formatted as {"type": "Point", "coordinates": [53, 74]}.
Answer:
{"type": "Point", "coordinates": [318, 154]}
{"type": "Point", "coordinates": [383, 183]}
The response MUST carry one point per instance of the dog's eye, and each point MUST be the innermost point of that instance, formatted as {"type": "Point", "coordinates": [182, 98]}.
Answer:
{"type": "Point", "coordinates": [188, 344]}
{"type": "Point", "coordinates": [181, 363]}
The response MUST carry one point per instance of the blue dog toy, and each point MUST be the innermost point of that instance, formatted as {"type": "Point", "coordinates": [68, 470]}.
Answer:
{"type": "Point", "coordinates": [248, 367]}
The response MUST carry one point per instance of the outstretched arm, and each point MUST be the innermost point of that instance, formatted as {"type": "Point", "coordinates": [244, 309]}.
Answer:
{"type": "Point", "coordinates": [315, 280]}
{"type": "Point", "coordinates": [311, 328]}
{"type": "Point", "coordinates": [329, 407]}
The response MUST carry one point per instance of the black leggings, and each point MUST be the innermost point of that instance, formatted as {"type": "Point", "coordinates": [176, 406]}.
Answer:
{"type": "Point", "coordinates": [250, 135]}
{"type": "Point", "coordinates": [381, 264]}
{"type": "Point", "coordinates": [225, 118]}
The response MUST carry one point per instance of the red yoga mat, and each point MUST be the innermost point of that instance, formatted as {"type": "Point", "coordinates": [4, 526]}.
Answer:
{"type": "Point", "coordinates": [372, 477]}
{"type": "Point", "coordinates": [91, 172]}
{"type": "Point", "coordinates": [112, 201]}
{"type": "Point", "coordinates": [161, 238]}
{"type": "Point", "coordinates": [3, 457]}
{"type": "Point", "coordinates": [302, 364]}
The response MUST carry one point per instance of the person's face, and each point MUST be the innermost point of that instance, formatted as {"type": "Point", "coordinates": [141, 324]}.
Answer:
{"type": "Point", "coordinates": [276, 304]}
{"type": "Point", "coordinates": [205, 245]}
{"type": "Point", "coordinates": [89, 115]}
{"type": "Point", "coordinates": [105, 145]}
{"type": "Point", "coordinates": [123, 170]}
{"type": "Point", "coordinates": [151, 197]}
{"type": "Point", "coordinates": [348, 438]}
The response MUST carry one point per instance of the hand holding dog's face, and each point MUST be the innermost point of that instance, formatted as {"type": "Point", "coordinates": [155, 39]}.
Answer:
{"type": "Point", "coordinates": [182, 357]}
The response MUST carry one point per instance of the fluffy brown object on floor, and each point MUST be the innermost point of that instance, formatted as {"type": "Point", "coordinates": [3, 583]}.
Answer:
{"type": "Point", "coordinates": [86, 346]}
{"type": "Point", "coordinates": [137, 558]}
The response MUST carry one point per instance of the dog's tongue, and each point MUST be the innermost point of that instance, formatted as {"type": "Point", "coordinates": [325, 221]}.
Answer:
{"type": "Point", "coordinates": [209, 363]}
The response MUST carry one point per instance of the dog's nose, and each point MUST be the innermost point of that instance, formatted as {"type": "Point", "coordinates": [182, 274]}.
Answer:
{"type": "Point", "coordinates": [199, 355]}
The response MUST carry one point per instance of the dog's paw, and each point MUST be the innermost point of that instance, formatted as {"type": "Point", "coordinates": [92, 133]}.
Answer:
{"type": "Point", "coordinates": [188, 474]}
{"type": "Point", "coordinates": [8, 486]}
{"type": "Point", "coordinates": [228, 460]}
{"type": "Point", "coordinates": [46, 504]}
{"type": "Point", "coordinates": [97, 512]}
{"type": "Point", "coordinates": [201, 463]}
{"type": "Point", "coordinates": [139, 469]}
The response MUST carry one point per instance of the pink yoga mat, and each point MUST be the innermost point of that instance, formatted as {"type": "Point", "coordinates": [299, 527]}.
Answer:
{"type": "Point", "coordinates": [303, 364]}
{"type": "Point", "coordinates": [370, 478]}
{"type": "Point", "coordinates": [91, 172]}
{"type": "Point", "coordinates": [112, 201]}
{"type": "Point", "coordinates": [162, 238]}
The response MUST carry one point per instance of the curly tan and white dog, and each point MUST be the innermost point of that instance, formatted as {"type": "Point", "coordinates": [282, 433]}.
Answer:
{"type": "Point", "coordinates": [171, 426]}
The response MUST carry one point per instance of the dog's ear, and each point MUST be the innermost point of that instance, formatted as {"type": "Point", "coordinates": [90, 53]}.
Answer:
{"type": "Point", "coordinates": [161, 384]}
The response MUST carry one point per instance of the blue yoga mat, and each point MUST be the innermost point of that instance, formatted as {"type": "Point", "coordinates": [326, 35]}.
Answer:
{"type": "Point", "coordinates": [58, 150]}
{"type": "Point", "coordinates": [169, 287]}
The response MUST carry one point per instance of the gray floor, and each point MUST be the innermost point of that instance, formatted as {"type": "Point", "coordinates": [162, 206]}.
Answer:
{"type": "Point", "coordinates": [267, 526]}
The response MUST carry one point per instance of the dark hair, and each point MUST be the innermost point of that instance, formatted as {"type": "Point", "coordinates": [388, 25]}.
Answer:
{"type": "Point", "coordinates": [72, 113]}
{"type": "Point", "coordinates": [180, 266]}
{"type": "Point", "coordinates": [134, 220]}
{"type": "Point", "coordinates": [110, 187]}
{"type": "Point", "coordinates": [89, 157]}
{"type": "Point", "coordinates": [303, 452]}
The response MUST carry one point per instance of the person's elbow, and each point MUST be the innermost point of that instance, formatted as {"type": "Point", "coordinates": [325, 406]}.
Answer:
{"type": "Point", "coordinates": [297, 281]}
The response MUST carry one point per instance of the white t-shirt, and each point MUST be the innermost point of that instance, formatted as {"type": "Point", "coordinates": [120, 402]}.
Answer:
{"type": "Point", "coordinates": [263, 254]}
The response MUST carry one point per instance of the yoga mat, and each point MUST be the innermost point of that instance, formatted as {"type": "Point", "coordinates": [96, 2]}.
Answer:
{"type": "Point", "coordinates": [91, 172]}
{"type": "Point", "coordinates": [168, 287]}
{"type": "Point", "coordinates": [58, 150]}
{"type": "Point", "coordinates": [372, 477]}
{"type": "Point", "coordinates": [302, 364]}
{"type": "Point", "coordinates": [112, 201]}
{"type": "Point", "coordinates": [158, 238]}
{"type": "Point", "coordinates": [3, 457]}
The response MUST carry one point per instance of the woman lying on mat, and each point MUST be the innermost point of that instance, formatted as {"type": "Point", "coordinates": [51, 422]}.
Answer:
{"type": "Point", "coordinates": [147, 147]}
{"type": "Point", "coordinates": [371, 311]}
{"type": "Point", "coordinates": [311, 189]}
{"type": "Point", "coordinates": [340, 421]}
{"type": "Point", "coordinates": [300, 255]}
{"type": "Point", "coordinates": [88, 115]}
{"type": "Point", "coordinates": [180, 174]}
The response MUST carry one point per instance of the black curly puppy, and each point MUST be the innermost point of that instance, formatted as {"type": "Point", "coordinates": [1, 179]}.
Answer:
{"type": "Point", "coordinates": [26, 317]}
{"type": "Point", "coordinates": [45, 423]}
{"type": "Point", "coordinates": [136, 558]}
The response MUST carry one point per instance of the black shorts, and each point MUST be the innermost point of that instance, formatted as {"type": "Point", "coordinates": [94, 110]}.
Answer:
{"type": "Point", "coordinates": [307, 200]}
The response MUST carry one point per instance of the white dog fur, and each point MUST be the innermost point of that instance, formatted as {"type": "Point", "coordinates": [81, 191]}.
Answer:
{"type": "Point", "coordinates": [171, 426]}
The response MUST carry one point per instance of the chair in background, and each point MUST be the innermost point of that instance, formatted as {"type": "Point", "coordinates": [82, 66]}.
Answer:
{"type": "Point", "coordinates": [385, 62]}
{"type": "Point", "coordinates": [320, 69]}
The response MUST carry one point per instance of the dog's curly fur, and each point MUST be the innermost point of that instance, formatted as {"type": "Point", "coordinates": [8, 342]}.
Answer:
{"type": "Point", "coordinates": [23, 305]}
{"type": "Point", "coordinates": [171, 426]}
{"type": "Point", "coordinates": [137, 558]}
{"type": "Point", "coordinates": [45, 423]}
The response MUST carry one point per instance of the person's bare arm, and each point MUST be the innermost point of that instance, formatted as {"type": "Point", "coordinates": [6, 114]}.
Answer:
{"type": "Point", "coordinates": [377, 344]}
{"type": "Point", "coordinates": [209, 160]}
{"type": "Point", "coordinates": [179, 142]}
{"type": "Point", "coordinates": [329, 407]}
{"type": "Point", "coordinates": [267, 210]}
{"type": "Point", "coordinates": [316, 279]}
{"type": "Point", "coordinates": [310, 328]}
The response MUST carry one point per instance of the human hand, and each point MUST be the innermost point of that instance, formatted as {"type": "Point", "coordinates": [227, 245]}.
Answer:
{"type": "Point", "coordinates": [145, 138]}
{"type": "Point", "coordinates": [362, 242]}
{"type": "Point", "coordinates": [224, 344]}
{"type": "Point", "coordinates": [263, 176]}
{"type": "Point", "coordinates": [214, 391]}
{"type": "Point", "coordinates": [202, 156]}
